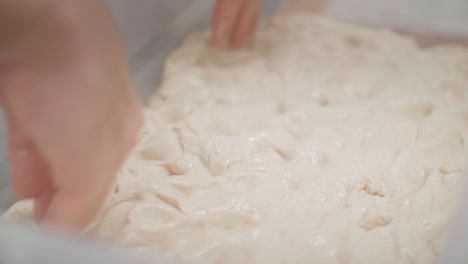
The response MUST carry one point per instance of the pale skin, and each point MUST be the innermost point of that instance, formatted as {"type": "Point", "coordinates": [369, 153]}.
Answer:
{"type": "Point", "coordinates": [72, 111]}
{"type": "Point", "coordinates": [234, 22]}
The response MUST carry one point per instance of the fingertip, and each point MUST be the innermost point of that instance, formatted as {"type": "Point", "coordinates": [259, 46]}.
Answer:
{"type": "Point", "coordinates": [240, 43]}
{"type": "Point", "coordinates": [246, 24]}
{"type": "Point", "coordinates": [219, 38]}
{"type": "Point", "coordinates": [225, 15]}
{"type": "Point", "coordinates": [71, 213]}
{"type": "Point", "coordinates": [29, 172]}
{"type": "Point", "coordinates": [41, 204]}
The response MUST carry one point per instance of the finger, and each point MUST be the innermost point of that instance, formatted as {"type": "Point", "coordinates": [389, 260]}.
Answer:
{"type": "Point", "coordinates": [82, 180]}
{"type": "Point", "coordinates": [42, 204]}
{"type": "Point", "coordinates": [29, 174]}
{"type": "Point", "coordinates": [71, 211]}
{"type": "Point", "coordinates": [246, 23]}
{"type": "Point", "coordinates": [83, 170]}
{"type": "Point", "coordinates": [253, 25]}
{"type": "Point", "coordinates": [29, 171]}
{"type": "Point", "coordinates": [226, 12]}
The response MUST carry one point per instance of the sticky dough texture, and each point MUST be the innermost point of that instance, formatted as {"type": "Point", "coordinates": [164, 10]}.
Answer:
{"type": "Point", "coordinates": [327, 143]}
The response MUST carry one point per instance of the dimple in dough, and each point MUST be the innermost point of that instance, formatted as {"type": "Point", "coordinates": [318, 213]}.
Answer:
{"type": "Point", "coordinates": [326, 143]}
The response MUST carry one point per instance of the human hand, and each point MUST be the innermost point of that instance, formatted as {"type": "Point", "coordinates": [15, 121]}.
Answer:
{"type": "Point", "coordinates": [72, 112]}
{"type": "Point", "coordinates": [234, 22]}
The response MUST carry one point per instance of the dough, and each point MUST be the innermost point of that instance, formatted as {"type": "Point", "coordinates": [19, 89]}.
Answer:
{"type": "Point", "coordinates": [326, 143]}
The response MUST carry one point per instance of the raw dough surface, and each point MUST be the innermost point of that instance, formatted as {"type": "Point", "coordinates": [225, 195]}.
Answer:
{"type": "Point", "coordinates": [327, 143]}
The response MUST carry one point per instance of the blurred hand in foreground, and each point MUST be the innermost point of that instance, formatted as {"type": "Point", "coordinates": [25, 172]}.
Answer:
{"type": "Point", "coordinates": [72, 112]}
{"type": "Point", "coordinates": [234, 22]}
